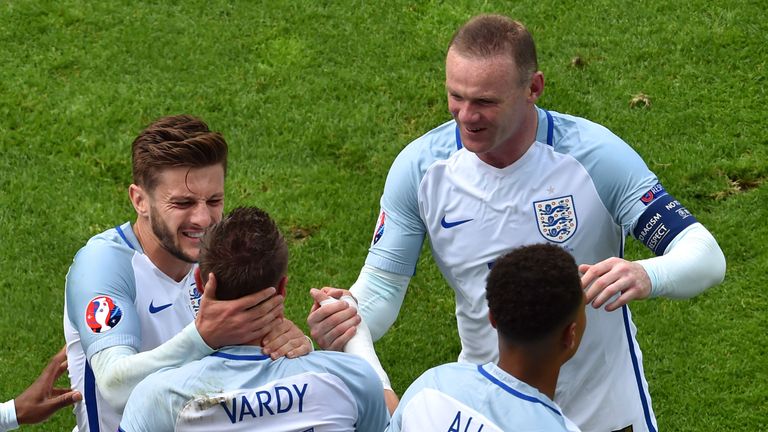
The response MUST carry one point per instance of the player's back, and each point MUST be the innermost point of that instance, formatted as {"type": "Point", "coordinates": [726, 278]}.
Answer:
{"type": "Point", "coordinates": [474, 398]}
{"type": "Point", "coordinates": [238, 389]}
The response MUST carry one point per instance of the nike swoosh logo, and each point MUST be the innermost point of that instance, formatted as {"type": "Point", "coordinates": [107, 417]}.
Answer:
{"type": "Point", "coordinates": [155, 309]}
{"type": "Point", "coordinates": [446, 224]}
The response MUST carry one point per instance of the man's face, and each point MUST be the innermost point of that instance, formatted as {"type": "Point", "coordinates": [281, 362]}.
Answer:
{"type": "Point", "coordinates": [182, 205]}
{"type": "Point", "coordinates": [489, 104]}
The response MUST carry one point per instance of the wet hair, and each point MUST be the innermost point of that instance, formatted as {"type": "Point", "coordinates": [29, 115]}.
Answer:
{"type": "Point", "coordinates": [486, 36]}
{"type": "Point", "coordinates": [245, 252]}
{"type": "Point", "coordinates": [533, 291]}
{"type": "Point", "coordinates": [175, 141]}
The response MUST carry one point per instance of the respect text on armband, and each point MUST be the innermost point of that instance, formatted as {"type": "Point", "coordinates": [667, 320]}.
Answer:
{"type": "Point", "coordinates": [664, 218]}
{"type": "Point", "coordinates": [267, 402]}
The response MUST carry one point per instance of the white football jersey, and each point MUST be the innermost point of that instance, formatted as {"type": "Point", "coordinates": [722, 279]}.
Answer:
{"type": "Point", "coordinates": [578, 186]}
{"type": "Point", "coordinates": [240, 389]}
{"type": "Point", "coordinates": [463, 397]}
{"type": "Point", "coordinates": [116, 296]}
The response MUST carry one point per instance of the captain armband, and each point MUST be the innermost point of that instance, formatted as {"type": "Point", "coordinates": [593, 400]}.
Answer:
{"type": "Point", "coordinates": [663, 219]}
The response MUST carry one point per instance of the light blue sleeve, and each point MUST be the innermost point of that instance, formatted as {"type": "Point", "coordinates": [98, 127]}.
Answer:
{"type": "Point", "coordinates": [400, 231]}
{"type": "Point", "coordinates": [102, 273]}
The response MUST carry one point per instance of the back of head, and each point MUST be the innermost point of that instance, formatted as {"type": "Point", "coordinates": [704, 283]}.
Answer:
{"type": "Point", "coordinates": [245, 252]}
{"type": "Point", "coordinates": [486, 36]}
{"type": "Point", "coordinates": [175, 141]}
{"type": "Point", "coordinates": [533, 291]}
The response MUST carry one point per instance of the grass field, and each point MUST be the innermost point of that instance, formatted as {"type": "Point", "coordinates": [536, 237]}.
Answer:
{"type": "Point", "coordinates": [317, 98]}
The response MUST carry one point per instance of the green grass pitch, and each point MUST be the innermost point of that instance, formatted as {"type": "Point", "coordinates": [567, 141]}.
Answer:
{"type": "Point", "coordinates": [316, 99]}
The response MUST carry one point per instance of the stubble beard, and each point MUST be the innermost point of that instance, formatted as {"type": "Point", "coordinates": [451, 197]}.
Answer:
{"type": "Point", "coordinates": [167, 240]}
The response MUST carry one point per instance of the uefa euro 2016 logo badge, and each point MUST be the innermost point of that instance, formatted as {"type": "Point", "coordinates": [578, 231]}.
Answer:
{"type": "Point", "coordinates": [556, 218]}
{"type": "Point", "coordinates": [194, 299]}
{"type": "Point", "coordinates": [102, 314]}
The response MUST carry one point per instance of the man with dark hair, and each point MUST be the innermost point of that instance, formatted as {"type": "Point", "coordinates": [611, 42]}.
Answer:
{"type": "Point", "coordinates": [505, 173]}
{"type": "Point", "coordinates": [239, 388]}
{"type": "Point", "coordinates": [540, 318]}
{"type": "Point", "coordinates": [132, 305]}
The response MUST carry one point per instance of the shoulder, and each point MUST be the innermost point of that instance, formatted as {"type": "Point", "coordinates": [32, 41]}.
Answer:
{"type": "Point", "coordinates": [355, 372]}
{"type": "Point", "coordinates": [588, 141]}
{"type": "Point", "coordinates": [438, 144]}
{"type": "Point", "coordinates": [105, 246]}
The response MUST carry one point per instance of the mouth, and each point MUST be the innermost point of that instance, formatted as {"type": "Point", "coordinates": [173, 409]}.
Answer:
{"type": "Point", "coordinates": [473, 130]}
{"type": "Point", "coordinates": [193, 234]}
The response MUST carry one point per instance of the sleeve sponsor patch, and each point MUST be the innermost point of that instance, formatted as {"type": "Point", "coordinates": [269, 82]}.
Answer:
{"type": "Point", "coordinates": [379, 231]}
{"type": "Point", "coordinates": [657, 191]}
{"type": "Point", "coordinates": [102, 314]}
{"type": "Point", "coordinates": [663, 219]}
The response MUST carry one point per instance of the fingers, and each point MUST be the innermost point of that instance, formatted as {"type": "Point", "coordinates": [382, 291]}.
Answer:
{"type": "Point", "coordinates": [239, 321]}
{"type": "Point", "coordinates": [319, 296]}
{"type": "Point", "coordinates": [614, 278]}
{"type": "Point", "coordinates": [333, 324]}
{"type": "Point", "coordinates": [336, 293]}
{"type": "Point", "coordinates": [68, 398]}
{"type": "Point", "coordinates": [286, 340]}
{"type": "Point", "coordinates": [209, 290]}
{"type": "Point", "coordinates": [55, 367]}
{"type": "Point", "coordinates": [257, 298]}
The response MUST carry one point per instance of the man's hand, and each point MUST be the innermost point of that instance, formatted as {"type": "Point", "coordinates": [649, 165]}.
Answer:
{"type": "Point", "coordinates": [332, 325]}
{"type": "Point", "coordinates": [287, 340]}
{"type": "Point", "coordinates": [240, 321]}
{"type": "Point", "coordinates": [606, 278]}
{"type": "Point", "coordinates": [40, 400]}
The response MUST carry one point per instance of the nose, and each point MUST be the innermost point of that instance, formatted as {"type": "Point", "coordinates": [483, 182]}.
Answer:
{"type": "Point", "coordinates": [464, 112]}
{"type": "Point", "coordinates": [202, 215]}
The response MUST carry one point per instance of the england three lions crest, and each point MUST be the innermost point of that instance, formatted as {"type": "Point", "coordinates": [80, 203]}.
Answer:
{"type": "Point", "coordinates": [556, 218]}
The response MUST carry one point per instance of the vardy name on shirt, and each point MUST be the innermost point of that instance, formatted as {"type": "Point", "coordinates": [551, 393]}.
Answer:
{"type": "Point", "coordinates": [271, 402]}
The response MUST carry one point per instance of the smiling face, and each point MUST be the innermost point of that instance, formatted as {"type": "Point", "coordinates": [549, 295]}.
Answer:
{"type": "Point", "coordinates": [175, 214]}
{"type": "Point", "coordinates": [492, 105]}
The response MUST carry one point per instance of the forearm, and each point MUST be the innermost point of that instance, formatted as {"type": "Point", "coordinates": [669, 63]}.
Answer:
{"type": "Point", "coordinates": [8, 416]}
{"type": "Point", "coordinates": [692, 263]}
{"type": "Point", "coordinates": [379, 295]}
{"type": "Point", "coordinates": [118, 369]}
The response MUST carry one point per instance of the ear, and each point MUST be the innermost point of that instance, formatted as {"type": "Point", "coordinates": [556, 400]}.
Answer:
{"type": "Point", "coordinates": [280, 288]}
{"type": "Point", "coordinates": [569, 339]}
{"type": "Point", "coordinates": [199, 281]}
{"type": "Point", "coordinates": [536, 87]}
{"type": "Point", "coordinates": [139, 199]}
{"type": "Point", "coordinates": [491, 319]}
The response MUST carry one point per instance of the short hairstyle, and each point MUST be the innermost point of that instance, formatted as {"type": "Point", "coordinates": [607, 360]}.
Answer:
{"type": "Point", "coordinates": [486, 36]}
{"type": "Point", "coordinates": [533, 291]}
{"type": "Point", "coordinates": [175, 141]}
{"type": "Point", "coordinates": [245, 252]}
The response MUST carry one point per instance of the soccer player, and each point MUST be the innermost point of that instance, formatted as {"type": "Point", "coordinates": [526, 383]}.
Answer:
{"type": "Point", "coordinates": [540, 318]}
{"type": "Point", "coordinates": [40, 400]}
{"type": "Point", "coordinates": [132, 305]}
{"type": "Point", "coordinates": [239, 388]}
{"type": "Point", "coordinates": [505, 173]}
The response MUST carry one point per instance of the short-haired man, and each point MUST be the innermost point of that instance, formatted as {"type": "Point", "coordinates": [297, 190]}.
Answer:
{"type": "Point", "coordinates": [132, 305]}
{"type": "Point", "coordinates": [536, 305]}
{"type": "Point", "coordinates": [239, 388]}
{"type": "Point", "coordinates": [505, 173]}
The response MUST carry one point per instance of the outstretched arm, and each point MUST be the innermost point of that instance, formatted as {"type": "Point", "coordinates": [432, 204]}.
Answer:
{"type": "Point", "coordinates": [41, 399]}
{"type": "Point", "coordinates": [691, 263]}
{"type": "Point", "coordinates": [118, 369]}
{"type": "Point", "coordinates": [361, 344]}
